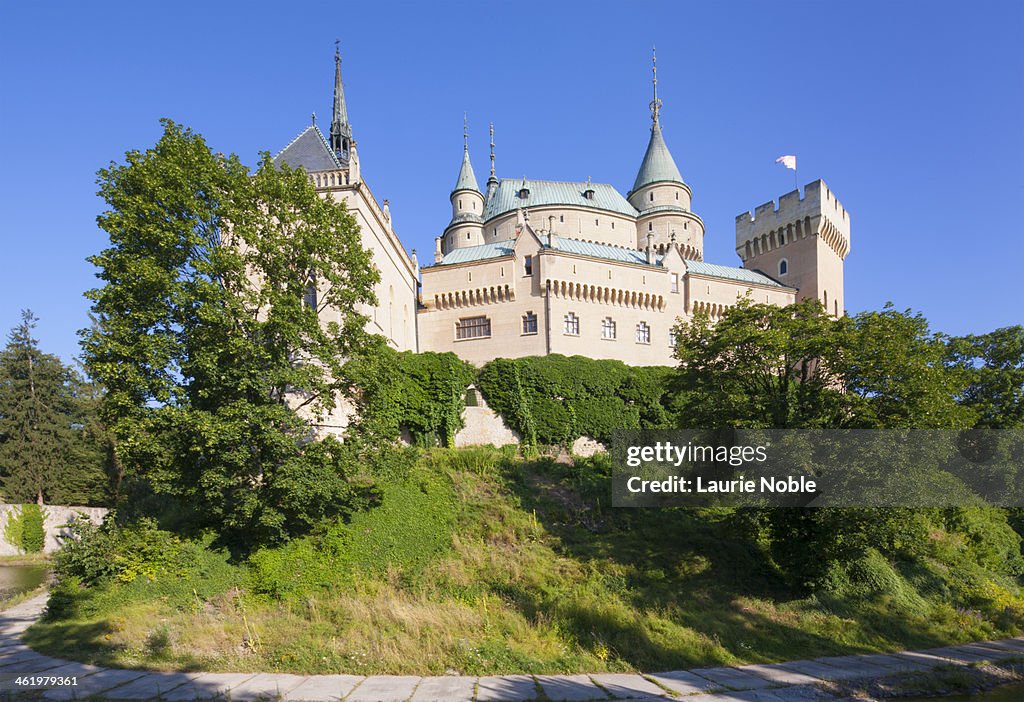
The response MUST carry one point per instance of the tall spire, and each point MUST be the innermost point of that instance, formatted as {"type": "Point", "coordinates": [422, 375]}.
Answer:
{"type": "Point", "coordinates": [493, 180]}
{"type": "Point", "coordinates": [467, 179]}
{"type": "Point", "coordinates": [341, 130]}
{"type": "Point", "coordinates": [658, 164]}
{"type": "Point", "coordinates": [655, 103]}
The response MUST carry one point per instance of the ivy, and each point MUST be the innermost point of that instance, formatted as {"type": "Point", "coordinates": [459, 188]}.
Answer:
{"type": "Point", "coordinates": [25, 528]}
{"type": "Point", "coordinates": [555, 399]}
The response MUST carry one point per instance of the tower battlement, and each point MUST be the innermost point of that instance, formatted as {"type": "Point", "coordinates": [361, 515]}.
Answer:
{"type": "Point", "coordinates": [817, 212]}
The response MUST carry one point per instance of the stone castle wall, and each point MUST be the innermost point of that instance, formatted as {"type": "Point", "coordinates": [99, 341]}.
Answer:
{"type": "Point", "coordinates": [55, 521]}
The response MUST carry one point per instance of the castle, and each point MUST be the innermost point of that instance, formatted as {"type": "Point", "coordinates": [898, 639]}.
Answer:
{"type": "Point", "coordinates": [532, 267]}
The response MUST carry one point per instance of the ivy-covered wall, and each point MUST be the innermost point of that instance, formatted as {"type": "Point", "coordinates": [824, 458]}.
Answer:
{"type": "Point", "coordinates": [556, 399]}
{"type": "Point", "coordinates": [418, 393]}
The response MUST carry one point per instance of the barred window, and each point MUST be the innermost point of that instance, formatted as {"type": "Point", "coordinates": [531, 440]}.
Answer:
{"type": "Point", "coordinates": [643, 333]}
{"type": "Point", "coordinates": [473, 328]}
{"type": "Point", "coordinates": [607, 328]}
{"type": "Point", "coordinates": [572, 324]}
{"type": "Point", "coordinates": [529, 323]}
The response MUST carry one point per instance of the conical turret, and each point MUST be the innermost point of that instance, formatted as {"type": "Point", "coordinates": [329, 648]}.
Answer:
{"type": "Point", "coordinates": [341, 130]}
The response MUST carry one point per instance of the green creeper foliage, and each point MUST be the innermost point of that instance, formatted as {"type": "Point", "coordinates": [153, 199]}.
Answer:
{"type": "Point", "coordinates": [418, 393]}
{"type": "Point", "coordinates": [25, 528]}
{"type": "Point", "coordinates": [555, 399]}
{"type": "Point", "coordinates": [205, 346]}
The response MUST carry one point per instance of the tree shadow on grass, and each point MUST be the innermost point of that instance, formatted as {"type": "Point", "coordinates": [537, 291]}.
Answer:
{"type": "Point", "coordinates": [692, 588]}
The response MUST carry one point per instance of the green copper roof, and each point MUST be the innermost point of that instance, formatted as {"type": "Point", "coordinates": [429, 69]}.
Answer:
{"type": "Point", "coordinates": [742, 275]}
{"type": "Point", "coordinates": [658, 164]}
{"type": "Point", "coordinates": [573, 246]}
{"type": "Point", "coordinates": [467, 179]}
{"type": "Point", "coordinates": [505, 196]}
{"type": "Point", "coordinates": [478, 253]}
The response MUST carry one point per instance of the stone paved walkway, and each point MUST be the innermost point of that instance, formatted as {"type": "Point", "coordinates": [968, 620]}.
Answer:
{"type": "Point", "coordinates": [796, 681]}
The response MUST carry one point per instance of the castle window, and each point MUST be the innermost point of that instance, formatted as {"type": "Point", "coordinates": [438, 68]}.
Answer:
{"type": "Point", "coordinates": [782, 237]}
{"type": "Point", "coordinates": [473, 328]}
{"type": "Point", "coordinates": [675, 282]}
{"type": "Point", "coordinates": [677, 196]}
{"type": "Point", "coordinates": [460, 204]}
{"type": "Point", "coordinates": [588, 194]}
{"type": "Point", "coordinates": [528, 265]}
{"type": "Point", "coordinates": [652, 196]}
{"type": "Point", "coordinates": [597, 222]}
{"type": "Point", "coordinates": [643, 333]}
{"type": "Point", "coordinates": [783, 267]}
{"type": "Point", "coordinates": [524, 193]}
{"type": "Point", "coordinates": [607, 328]}
{"type": "Point", "coordinates": [613, 225]}
{"type": "Point", "coordinates": [561, 218]}
{"type": "Point", "coordinates": [467, 235]}
{"type": "Point", "coordinates": [572, 325]}
{"type": "Point", "coordinates": [309, 295]}
{"type": "Point", "coordinates": [672, 338]}
{"type": "Point", "coordinates": [529, 323]}
{"type": "Point", "coordinates": [650, 226]}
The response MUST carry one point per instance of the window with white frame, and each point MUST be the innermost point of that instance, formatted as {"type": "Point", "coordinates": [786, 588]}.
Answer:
{"type": "Point", "coordinates": [643, 333]}
{"type": "Point", "coordinates": [607, 328]}
{"type": "Point", "coordinates": [783, 267]}
{"type": "Point", "coordinates": [675, 282]}
{"type": "Point", "coordinates": [473, 328]}
{"type": "Point", "coordinates": [529, 323]}
{"type": "Point", "coordinates": [572, 324]}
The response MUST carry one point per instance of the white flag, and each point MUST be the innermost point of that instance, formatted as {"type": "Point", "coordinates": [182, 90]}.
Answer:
{"type": "Point", "coordinates": [787, 161]}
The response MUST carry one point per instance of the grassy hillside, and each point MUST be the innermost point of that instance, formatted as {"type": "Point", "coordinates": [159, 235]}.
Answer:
{"type": "Point", "coordinates": [479, 562]}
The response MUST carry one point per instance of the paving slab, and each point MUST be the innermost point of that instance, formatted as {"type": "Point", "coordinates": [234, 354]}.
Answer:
{"type": "Point", "coordinates": [734, 678]}
{"type": "Point", "coordinates": [683, 682]}
{"type": "Point", "coordinates": [149, 686]}
{"type": "Point", "coordinates": [384, 688]}
{"type": "Point", "coordinates": [821, 670]}
{"type": "Point", "coordinates": [25, 664]}
{"type": "Point", "coordinates": [506, 688]}
{"type": "Point", "coordinates": [570, 688]}
{"type": "Point", "coordinates": [1010, 648]}
{"type": "Point", "coordinates": [628, 685]}
{"type": "Point", "coordinates": [206, 686]}
{"type": "Point", "coordinates": [93, 684]}
{"type": "Point", "coordinates": [324, 688]}
{"type": "Point", "coordinates": [266, 686]}
{"type": "Point", "coordinates": [445, 688]}
{"type": "Point", "coordinates": [857, 666]}
{"type": "Point", "coordinates": [779, 675]}
{"type": "Point", "coordinates": [958, 655]}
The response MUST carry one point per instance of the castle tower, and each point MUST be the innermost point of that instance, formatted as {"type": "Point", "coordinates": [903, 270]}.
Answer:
{"type": "Point", "coordinates": [467, 225]}
{"type": "Point", "coordinates": [801, 243]}
{"type": "Point", "coordinates": [341, 130]}
{"type": "Point", "coordinates": [662, 197]}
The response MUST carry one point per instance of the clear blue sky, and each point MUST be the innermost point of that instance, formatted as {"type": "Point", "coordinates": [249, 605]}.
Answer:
{"type": "Point", "coordinates": [912, 112]}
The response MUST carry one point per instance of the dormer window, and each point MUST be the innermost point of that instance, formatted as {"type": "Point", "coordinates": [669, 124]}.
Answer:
{"type": "Point", "coordinates": [588, 194]}
{"type": "Point", "coordinates": [524, 193]}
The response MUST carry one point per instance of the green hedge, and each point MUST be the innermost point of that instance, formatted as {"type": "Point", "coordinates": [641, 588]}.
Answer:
{"type": "Point", "coordinates": [555, 399]}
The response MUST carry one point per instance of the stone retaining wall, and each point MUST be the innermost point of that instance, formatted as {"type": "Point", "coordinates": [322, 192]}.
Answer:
{"type": "Point", "coordinates": [55, 520]}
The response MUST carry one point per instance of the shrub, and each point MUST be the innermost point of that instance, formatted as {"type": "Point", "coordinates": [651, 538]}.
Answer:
{"type": "Point", "coordinates": [33, 530]}
{"type": "Point", "coordinates": [25, 528]}
{"type": "Point", "coordinates": [95, 554]}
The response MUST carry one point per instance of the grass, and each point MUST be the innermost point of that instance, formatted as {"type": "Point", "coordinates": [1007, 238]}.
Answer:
{"type": "Point", "coordinates": [484, 564]}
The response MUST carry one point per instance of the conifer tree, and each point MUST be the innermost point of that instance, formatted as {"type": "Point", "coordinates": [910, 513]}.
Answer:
{"type": "Point", "coordinates": [35, 429]}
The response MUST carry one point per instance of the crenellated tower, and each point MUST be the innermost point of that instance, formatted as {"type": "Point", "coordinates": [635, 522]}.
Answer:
{"type": "Point", "coordinates": [466, 227]}
{"type": "Point", "coordinates": [801, 242]}
{"type": "Point", "coordinates": [662, 197]}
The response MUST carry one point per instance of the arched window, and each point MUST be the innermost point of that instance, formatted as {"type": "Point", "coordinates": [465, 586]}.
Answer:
{"type": "Point", "coordinates": [783, 267]}
{"type": "Point", "coordinates": [309, 298]}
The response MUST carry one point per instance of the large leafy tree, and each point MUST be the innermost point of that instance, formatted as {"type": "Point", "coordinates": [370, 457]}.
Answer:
{"type": "Point", "coordinates": [213, 356]}
{"type": "Point", "coordinates": [994, 366]}
{"type": "Point", "coordinates": [45, 453]}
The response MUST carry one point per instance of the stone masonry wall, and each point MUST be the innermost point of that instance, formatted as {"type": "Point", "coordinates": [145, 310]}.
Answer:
{"type": "Point", "coordinates": [55, 520]}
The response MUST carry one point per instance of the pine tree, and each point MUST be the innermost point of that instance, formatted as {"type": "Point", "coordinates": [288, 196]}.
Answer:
{"type": "Point", "coordinates": [35, 430]}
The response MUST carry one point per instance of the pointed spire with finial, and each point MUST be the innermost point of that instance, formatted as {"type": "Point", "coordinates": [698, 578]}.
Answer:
{"type": "Point", "coordinates": [341, 130]}
{"type": "Point", "coordinates": [467, 179]}
{"type": "Point", "coordinates": [655, 103]}
{"type": "Point", "coordinates": [658, 164]}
